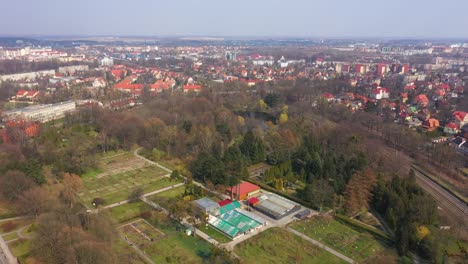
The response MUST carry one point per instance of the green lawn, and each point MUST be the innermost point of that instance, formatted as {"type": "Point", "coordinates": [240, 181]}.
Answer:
{"type": "Point", "coordinates": [175, 246]}
{"type": "Point", "coordinates": [20, 248]}
{"type": "Point", "coordinates": [215, 234]}
{"type": "Point", "coordinates": [128, 211]}
{"type": "Point", "coordinates": [117, 187]}
{"type": "Point", "coordinates": [353, 243]}
{"type": "Point", "coordinates": [10, 236]}
{"type": "Point", "coordinates": [276, 245]}
{"type": "Point", "coordinates": [164, 199]}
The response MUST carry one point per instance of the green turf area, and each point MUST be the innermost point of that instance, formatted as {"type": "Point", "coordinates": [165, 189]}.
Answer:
{"type": "Point", "coordinates": [276, 245]}
{"type": "Point", "coordinates": [215, 234]}
{"type": "Point", "coordinates": [175, 246]}
{"type": "Point", "coordinates": [10, 236]}
{"type": "Point", "coordinates": [128, 211]}
{"type": "Point", "coordinates": [355, 244]}
{"type": "Point", "coordinates": [168, 197]}
{"type": "Point", "coordinates": [117, 187]}
{"type": "Point", "coordinates": [20, 248]}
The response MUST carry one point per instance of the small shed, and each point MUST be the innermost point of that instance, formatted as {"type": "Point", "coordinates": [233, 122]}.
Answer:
{"type": "Point", "coordinates": [303, 214]}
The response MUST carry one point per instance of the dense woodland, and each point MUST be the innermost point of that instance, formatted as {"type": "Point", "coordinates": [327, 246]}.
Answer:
{"type": "Point", "coordinates": [330, 158]}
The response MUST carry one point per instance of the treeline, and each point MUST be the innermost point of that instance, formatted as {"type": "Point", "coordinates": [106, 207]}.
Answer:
{"type": "Point", "coordinates": [411, 214]}
{"type": "Point", "coordinates": [230, 167]}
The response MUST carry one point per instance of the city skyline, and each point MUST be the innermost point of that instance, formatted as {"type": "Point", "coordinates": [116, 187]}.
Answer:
{"type": "Point", "coordinates": [320, 19]}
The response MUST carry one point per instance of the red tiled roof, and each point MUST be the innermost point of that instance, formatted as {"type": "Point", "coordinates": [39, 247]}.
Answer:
{"type": "Point", "coordinates": [244, 188]}
{"type": "Point", "coordinates": [21, 92]}
{"type": "Point", "coordinates": [328, 95]}
{"type": "Point", "coordinates": [192, 87]}
{"type": "Point", "coordinates": [224, 202]}
{"type": "Point", "coordinates": [452, 126]}
{"type": "Point", "coordinates": [380, 90]}
{"type": "Point", "coordinates": [422, 98]}
{"type": "Point", "coordinates": [459, 115]}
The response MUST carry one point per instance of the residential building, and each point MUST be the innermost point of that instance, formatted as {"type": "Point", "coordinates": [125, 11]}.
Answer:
{"type": "Point", "coordinates": [40, 113]}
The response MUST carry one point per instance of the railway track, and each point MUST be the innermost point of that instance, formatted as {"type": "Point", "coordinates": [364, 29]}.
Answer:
{"type": "Point", "coordinates": [454, 206]}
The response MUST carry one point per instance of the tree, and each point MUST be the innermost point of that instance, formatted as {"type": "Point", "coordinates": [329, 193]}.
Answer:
{"type": "Point", "coordinates": [283, 118]}
{"type": "Point", "coordinates": [175, 175]}
{"type": "Point", "coordinates": [320, 193]}
{"type": "Point", "coordinates": [13, 183]}
{"type": "Point", "coordinates": [272, 100]}
{"type": "Point", "coordinates": [33, 168]}
{"type": "Point", "coordinates": [136, 194]}
{"type": "Point", "coordinates": [358, 191]}
{"type": "Point", "coordinates": [72, 184]}
{"type": "Point", "coordinates": [35, 201]}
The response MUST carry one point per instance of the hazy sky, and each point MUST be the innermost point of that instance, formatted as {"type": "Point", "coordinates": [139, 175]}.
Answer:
{"type": "Point", "coordinates": [305, 18]}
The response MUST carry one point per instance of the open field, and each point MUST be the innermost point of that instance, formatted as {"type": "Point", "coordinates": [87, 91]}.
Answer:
{"type": "Point", "coordinates": [357, 245]}
{"type": "Point", "coordinates": [128, 211]}
{"type": "Point", "coordinates": [215, 234]}
{"type": "Point", "coordinates": [276, 245]}
{"type": "Point", "coordinates": [117, 187]}
{"type": "Point", "coordinates": [165, 198]}
{"type": "Point", "coordinates": [20, 249]}
{"type": "Point", "coordinates": [173, 246]}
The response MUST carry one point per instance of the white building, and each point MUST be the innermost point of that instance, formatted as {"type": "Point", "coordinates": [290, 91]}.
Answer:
{"type": "Point", "coordinates": [109, 62]}
{"type": "Point", "coordinates": [285, 63]}
{"type": "Point", "coordinates": [72, 69]}
{"type": "Point", "coordinates": [41, 113]}
{"type": "Point", "coordinates": [26, 75]}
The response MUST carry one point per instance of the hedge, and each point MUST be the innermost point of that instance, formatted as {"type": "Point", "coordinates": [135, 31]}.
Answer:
{"type": "Point", "coordinates": [364, 227]}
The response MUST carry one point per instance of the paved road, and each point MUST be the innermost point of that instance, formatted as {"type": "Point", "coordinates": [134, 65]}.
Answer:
{"type": "Point", "coordinates": [6, 257]}
{"type": "Point", "coordinates": [446, 200]}
{"type": "Point", "coordinates": [315, 242]}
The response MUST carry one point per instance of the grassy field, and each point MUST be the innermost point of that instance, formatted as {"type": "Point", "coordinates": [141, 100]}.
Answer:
{"type": "Point", "coordinates": [277, 245]}
{"type": "Point", "coordinates": [20, 249]}
{"type": "Point", "coordinates": [174, 246]}
{"type": "Point", "coordinates": [164, 199]}
{"type": "Point", "coordinates": [341, 237]}
{"type": "Point", "coordinates": [215, 234]}
{"type": "Point", "coordinates": [128, 211]}
{"type": "Point", "coordinates": [117, 187]}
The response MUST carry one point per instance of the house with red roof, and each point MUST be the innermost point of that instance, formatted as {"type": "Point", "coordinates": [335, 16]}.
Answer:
{"type": "Point", "coordinates": [451, 128]}
{"type": "Point", "coordinates": [328, 96]}
{"type": "Point", "coordinates": [380, 93]}
{"type": "Point", "coordinates": [26, 95]}
{"type": "Point", "coordinates": [410, 87]}
{"type": "Point", "coordinates": [192, 88]}
{"type": "Point", "coordinates": [421, 100]}
{"type": "Point", "coordinates": [243, 190]}
{"type": "Point", "coordinates": [460, 118]}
